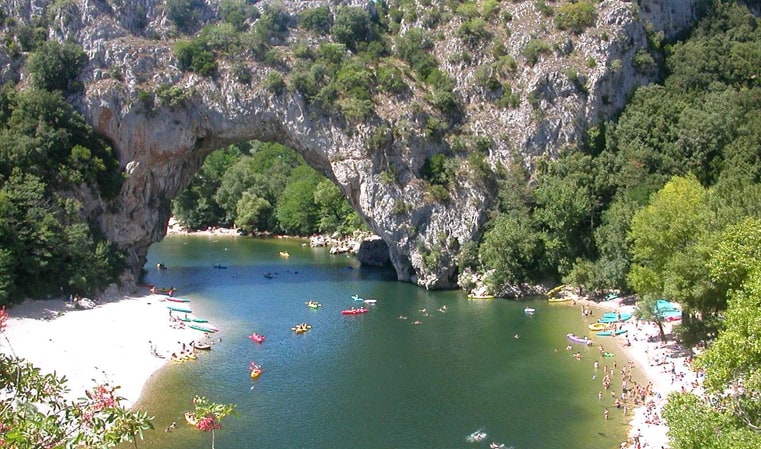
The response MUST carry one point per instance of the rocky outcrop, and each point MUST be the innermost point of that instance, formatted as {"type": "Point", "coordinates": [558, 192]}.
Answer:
{"type": "Point", "coordinates": [576, 81]}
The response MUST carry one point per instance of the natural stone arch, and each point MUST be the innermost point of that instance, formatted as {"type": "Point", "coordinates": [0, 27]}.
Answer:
{"type": "Point", "coordinates": [163, 147]}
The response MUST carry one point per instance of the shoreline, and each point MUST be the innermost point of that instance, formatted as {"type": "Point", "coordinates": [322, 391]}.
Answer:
{"type": "Point", "coordinates": [663, 366]}
{"type": "Point", "coordinates": [111, 343]}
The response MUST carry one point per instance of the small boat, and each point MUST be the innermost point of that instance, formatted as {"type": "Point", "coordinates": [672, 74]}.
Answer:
{"type": "Point", "coordinates": [173, 299]}
{"type": "Point", "coordinates": [313, 304]}
{"type": "Point", "coordinates": [357, 298]}
{"type": "Point", "coordinates": [478, 435]}
{"type": "Point", "coordinates": [556, 290]}
{"type": "Point", "coordinates": [611, 333]}
{"type": "Point", "coordinates": [202, 346]}
{"type": "Point", "coordinates": [608, 354]}
{"type": "Point", "coordinates": [284, 254]}
{"type": "Point", "coordinates": [257, 338]}
{"type": "Point", "coordinates": [495, 445]}
{"type": "Point", "coordinates": [161, 266]}
{"type": "Point", "coordinates": [614, 317]}
{"type": "Point", "coordinates": [480, 296]}
{"type": "Point", "coordinates": [220, 267]}
{"type": "Point", "coordinates": [256, 370]}
{"type": "Point", "coordinates": [560, 299]}
{"type": "Point", "coordinates": [577, 339]}
{"type": "Point", "coordinates": [354, 311]}
{"type": "Point", "coordinates": [371, 301]}
{"type": "Point", "coordinates": [179, 309]}
{"type": "Point", "coordinates": [191, 419]}
{"type": "Point", "coordinates": [301, 328]}
{"type": "Point", "coordinates": [165, 291]}
{"type": "Point", "coordinates": [597, 326]}
{"type": "Point", "coordinates": [529, 310]}
{"type": "Point", "coordinates": [207, 329]}
{"type": "Point", "coordinates": [193, 320]}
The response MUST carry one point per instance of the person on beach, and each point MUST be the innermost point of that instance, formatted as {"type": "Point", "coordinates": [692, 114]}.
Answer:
{"type": "Point", "coordinates": [606, 413]}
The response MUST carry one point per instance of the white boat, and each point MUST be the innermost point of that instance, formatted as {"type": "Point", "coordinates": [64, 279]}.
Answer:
{"type": "Point", "coordinates": [495, 445]}
{"type": "Point", "coordinates": [371, 301]}
{"type": "Point", "coordinates": [529, 310]}
{"type": "Point", "coordinates": [478, 435]}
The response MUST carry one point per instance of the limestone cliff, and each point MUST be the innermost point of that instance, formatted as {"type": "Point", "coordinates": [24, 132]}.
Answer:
{"type": "Point", "coordinates": [574, 81]}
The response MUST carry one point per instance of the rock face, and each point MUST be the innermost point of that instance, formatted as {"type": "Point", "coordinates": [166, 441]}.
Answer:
{"type": "Point", "coordinates": [374, 252]}
{"type": "Point", "coordinates": [162, 142]}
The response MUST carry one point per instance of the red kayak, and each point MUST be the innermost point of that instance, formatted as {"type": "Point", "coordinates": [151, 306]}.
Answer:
{"type": "Point", "coordinates": [354, 311]}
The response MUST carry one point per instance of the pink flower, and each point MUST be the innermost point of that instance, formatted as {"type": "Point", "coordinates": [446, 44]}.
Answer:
{"type": "Point", "coordinates": [3, 318]}
{"type": "Point", "coordinates": [208, 423]}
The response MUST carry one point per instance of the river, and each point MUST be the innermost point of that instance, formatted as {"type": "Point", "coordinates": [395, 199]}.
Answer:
{"type": "Point", "coordinates": [373, 380]}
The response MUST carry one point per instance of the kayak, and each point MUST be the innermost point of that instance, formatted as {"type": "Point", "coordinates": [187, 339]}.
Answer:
{"type": "Point", "coordinates": [313, 304]}
{"type": "Point", "coordinates": [179, 309]}
{"type": "Point", "coordinates": [202, 346]}
{"type": "Point", "coordinates": [608, 354]}
{"type": "Point", "coordinates": [611, 317]}
{"type": "Point", "coordinates": [371, 301]}
{"type": "Point", "coordinates": [357, 298]}
{"type": "Point", "coordinates": [198, 327]}
{"type": "Point", "coordinates": [529, 310]}
{"type": "Point", "coordinates": [576, 339]}
{"type": "Point", "coordinates": [597, 326]}
{"type": "Point", "coordinates": [191, 419]}
{"type": "Point", "coordinates": [611, 333]}
{"type": "Point", "coordinates": [173, 299]}
{"type": "Point", "coordinates": [354, 311]}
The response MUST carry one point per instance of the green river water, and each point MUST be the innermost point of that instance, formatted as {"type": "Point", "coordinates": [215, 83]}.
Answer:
{"type": "Point", "coordinates": [368, 381]}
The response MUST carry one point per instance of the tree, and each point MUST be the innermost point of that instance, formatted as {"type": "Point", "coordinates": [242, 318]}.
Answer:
{"type": "Point", "coordinates": [55, 66]}
{"type": "Point", "coordinates": [670, 241]}
{"type": "Point", "coordinates": [208, 415]}
{"type": "Point", "coordinates": [352, 26]}
{"type": "Point", "coordinates": [730, 415]}
{"type": "Point", "coordinates": [252, 212]}
{"type": "Point", "coordinates": [34, 412]}
{"type": "Point", "coordinates": [318, 20]}
{"type": "Point", "coordinates": [334, 211]}
{"type": "Point", "coordinates": [510, 248]}
{"type": "Point", "coordinates": [296, 210]}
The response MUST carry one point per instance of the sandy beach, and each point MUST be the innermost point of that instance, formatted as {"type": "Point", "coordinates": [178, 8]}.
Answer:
{"type": "Point", "coordinates": [111, 342]}
{"type": "Point", "coordinates": [663, 366]}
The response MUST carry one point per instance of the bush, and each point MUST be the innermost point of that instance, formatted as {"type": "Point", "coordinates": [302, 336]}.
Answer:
{"type": "Point", "coordinates": [576, 17]}
{"type": "Point", "coordinates": [533, 49]}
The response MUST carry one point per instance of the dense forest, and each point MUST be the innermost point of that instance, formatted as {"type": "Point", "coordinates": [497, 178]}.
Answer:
{"type": "Point", "coordinates": [263, 188]}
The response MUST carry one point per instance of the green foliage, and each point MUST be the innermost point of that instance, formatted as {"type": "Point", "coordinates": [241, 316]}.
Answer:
{"type": "Point", "coordinates": [534, 49]}
{"type": "Point", "coordinates": [194, 56]}
{"type": "Point", "coordinates": [353, 27]}
{"type": "Point", "coordinates": [275, 83]}
{"type": "Point", "coordinates": [334, 212]}
{"type": "Point", "coordinates": [575, 17]}
{"type": "Point", "coordinates": [473, 32]}
{"type": "Point", "coordinates": [318, 20]}
{"type": "Point", "coordinates": [35, 412]}
{"type": "Point", "coordinates": [55, 66]}
{"type": "Point", "coordinates": [237, 12]}
{"type": "Point", "coordinates": [184, 13]}
{"type": "Point", "coordinates": [296, 210]}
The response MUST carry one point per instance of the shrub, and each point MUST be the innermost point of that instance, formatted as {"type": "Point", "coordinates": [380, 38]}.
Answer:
{"type": "Point", "coordinates": [274, 83]}
{"type": "Point", "coordinates": [575, 17]}
{"type": "Point", "coordinates": [533, 49]}
{"type": "Point", "coordinates": [318, 20]}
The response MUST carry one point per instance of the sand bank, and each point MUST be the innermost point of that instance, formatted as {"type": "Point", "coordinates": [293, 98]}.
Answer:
{"type": "Point", "coordinates": [109, 343]}
{"type": "Point", "coordinates": [663, 365]}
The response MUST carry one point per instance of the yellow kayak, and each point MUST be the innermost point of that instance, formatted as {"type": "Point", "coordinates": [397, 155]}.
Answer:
{"type": "Point", "coordinates": [597, 326]}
